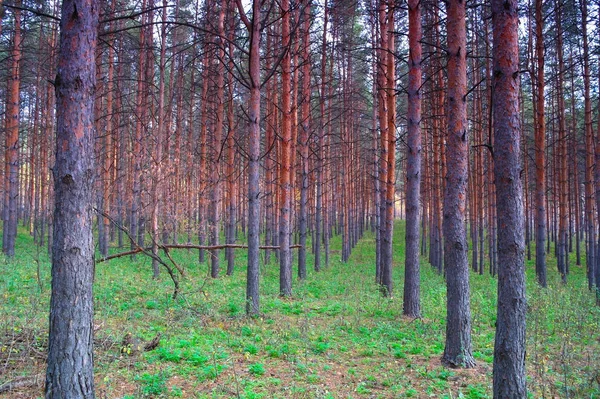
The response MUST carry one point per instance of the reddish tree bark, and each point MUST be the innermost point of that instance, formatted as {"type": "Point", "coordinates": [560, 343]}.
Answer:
{"type": "Point", "coordinates": [11, 171]}
{"type": "Point", "coordinates": [412, 306]}
{"type": "Point", "coordinates": [562, 249]}
{"type": "Point", "coordinates": [509, 348]}
{"type": "Point", "coordinates": [457, 352]}
{"type": "Point", "coordinates": [589, 159]}
{"type": "Point", "coordinates": [285, 259]}
{"type": "Point", "coordinates": [70, 359]}
{"type": "Point", "coordinates": [304, 133]}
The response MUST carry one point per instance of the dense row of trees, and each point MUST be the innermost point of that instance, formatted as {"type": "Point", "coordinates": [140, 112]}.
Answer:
{"type": "Point", "coordinates": [300, 119]}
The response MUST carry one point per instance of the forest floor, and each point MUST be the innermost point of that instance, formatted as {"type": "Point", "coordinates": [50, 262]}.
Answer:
{"type": "Point", "coordinates": [336, 338]}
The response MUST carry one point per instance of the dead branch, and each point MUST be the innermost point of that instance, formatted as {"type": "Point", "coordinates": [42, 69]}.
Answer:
{"type": "Point", "coordinates": [20, 382]}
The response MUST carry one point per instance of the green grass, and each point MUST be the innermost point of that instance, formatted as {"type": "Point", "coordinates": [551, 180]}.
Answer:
{"type": "Point", "coordinates": [336, 338]}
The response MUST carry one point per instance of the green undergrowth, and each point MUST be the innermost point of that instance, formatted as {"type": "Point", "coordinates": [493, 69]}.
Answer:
{"type": "Point", "coordinates": [336, 338]}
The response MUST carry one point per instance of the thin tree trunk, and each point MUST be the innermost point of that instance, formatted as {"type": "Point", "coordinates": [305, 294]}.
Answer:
{"type": "Point", "coordinates": [304, 133]}
{"type": "Point", "coordinates": [589, 158]}
{"type": "Point", "coordinates": [562, 250]}
{"type": "Point", "coordinates": [215, 193]}
{"type": "Point", "coordinates": [11, 171]}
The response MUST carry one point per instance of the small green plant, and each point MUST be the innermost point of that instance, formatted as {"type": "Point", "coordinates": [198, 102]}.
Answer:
{"type": "Point", "coordinates": [251, 349]}
{"type": "Point", "coordinates": [257, 369]}
{"type": "Point", "coordinates": [152, 384]}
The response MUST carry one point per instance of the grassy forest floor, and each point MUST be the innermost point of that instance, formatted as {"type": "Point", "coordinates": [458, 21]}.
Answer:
{"type": "Point", "coordinates": [337, 338]}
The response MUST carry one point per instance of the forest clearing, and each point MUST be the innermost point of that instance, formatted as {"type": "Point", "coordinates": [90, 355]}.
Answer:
{"type": "Point", "coordinates": [335, 338]}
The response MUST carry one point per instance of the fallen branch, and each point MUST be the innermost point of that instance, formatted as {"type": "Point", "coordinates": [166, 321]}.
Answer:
{"type": "Point", "coordinates": [20, 382]}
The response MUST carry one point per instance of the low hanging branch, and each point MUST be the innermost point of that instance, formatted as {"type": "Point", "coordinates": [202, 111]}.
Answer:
{"type": "Point", "coordinates": [165, 248]}
{"type": "Point", "coordinates": [145, 251]}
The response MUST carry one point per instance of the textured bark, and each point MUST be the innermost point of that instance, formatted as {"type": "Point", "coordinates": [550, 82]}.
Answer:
{"type": "Point", "coordinates": [540, 154]}
{"type": "Point", "coordinates": [215, 180]}
{"type": "Point", "coordinates": [304, 132]}
{"type": "Point", "coordinates": [11, 171]}
{"type": "Point", "coordinates": [509, 348]}
{"type": "Point", "coordinates": [231, 175]}
{"type": "Point", "coordinates": [457, 352]}
{"type": "Point", "coordinates": [319, 183]}
{"type": "Point", "coordinates": [252, 276]}
{"type": "Point", "coordinates": [70, 356]}
{"type": "Point", "coordinates": [563, 220]}
{"type": "Point", "coordinates": [203, 158]}
{"type": "Point", "coordinates": [390, 192]}
{"type": "Point", "coordinates": [383, 133]}
{"type": "Point", "coordinates": [597, 184]}
{"type": "Point", "coordinates": [589, 158]}
{"type": "Point", "coordinates": [136, 200]}
{"type": "Point", "coordinates": [285, 258]}
{"type": "Point", "coordinates": [412, 306]}
{"type": "Point", "coordinates": [108, 145]}
{"type": "Point", "coordinates": [157, 199]}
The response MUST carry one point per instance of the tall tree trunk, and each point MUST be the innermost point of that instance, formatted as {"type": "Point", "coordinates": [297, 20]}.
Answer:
{"type": "Point", "coordinates": [540, 152]}
{"type": "Point", "coordinates": [231, 184]}
{"type": "Point", "coordinates": [136, 201]}
{"type": "Point", "coordinates": [319, 183]}
{"type": "Point", "coordinates": [412, 306]}
{"type": "Point", "coordinates": [161, 134]}
{"type": "Point", "coordinates": [70, 358]}
{"type": "Point", "coordinates": [108, 158]}
{"type": "Point", "coordinates": [285, 258]}
{"type": "Point", "coordinates": [252, 276]}
{"type": "Point", "coordinates": [202, 208]}
{"type": "Point", "coordinates": [562, 249]}
{"type": "Point", "coordinates": [215, 180]}
{"type": "Point", "coordinates": [457, 352]}
{"type": "Point", "coordinates": [383, 129]}
{"type": "Point", "coordinates": [589, 157]}
{"type": "Point", "coordinates": [390, 191]}
{"type": "Point", "coordinates": [509, 348]}
{"type": "Point", "coordinates": [11, 171]}
{"type": "Point", "coordinates": [304, 132]}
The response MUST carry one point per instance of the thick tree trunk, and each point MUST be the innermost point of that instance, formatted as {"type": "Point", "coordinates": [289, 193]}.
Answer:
{"type": "Point", "coordinates": [412, 306]}
{"type": "Point", "coordinates": [509, 348]}
{"type": "Point", "coordinates": [70, 356]}
{"type": "Point", "coordinates": [457, 352]}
